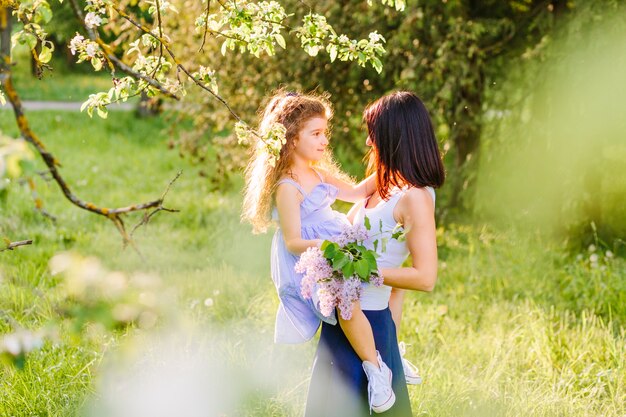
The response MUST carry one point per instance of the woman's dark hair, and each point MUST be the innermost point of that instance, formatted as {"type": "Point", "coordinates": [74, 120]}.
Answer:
{"type": "Point", "coordinates": [405, 150]}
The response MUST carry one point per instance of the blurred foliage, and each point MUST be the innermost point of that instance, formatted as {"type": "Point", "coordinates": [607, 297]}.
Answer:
{"type": "Point", "coordinates": [479, 66]}
{"type": "Point", "coordinates": [515, 326]}
{"type": "Point", "coordinates": [554, 145]}
{"type": "Point", "coordinates": [448, 52]}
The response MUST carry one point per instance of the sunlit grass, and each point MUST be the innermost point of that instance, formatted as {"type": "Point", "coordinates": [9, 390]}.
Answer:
{"type": "Point", "coordinates": [61, 83]}
{"type": "Point", "coordinates": [514, 327]}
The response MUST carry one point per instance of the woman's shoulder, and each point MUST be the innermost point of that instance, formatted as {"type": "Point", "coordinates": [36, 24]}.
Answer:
{"type": "Point", "coordinates": [415, 198]}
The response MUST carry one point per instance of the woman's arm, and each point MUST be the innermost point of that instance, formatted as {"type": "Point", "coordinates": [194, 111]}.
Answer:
{"type": "Point", "coordinates": [416, 212]}
{"type": "Point", "coordinates": [353, 192]}
{"type": "Point", "coordinates": [288, 200]}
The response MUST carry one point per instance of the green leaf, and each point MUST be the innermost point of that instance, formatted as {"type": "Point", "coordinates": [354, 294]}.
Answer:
{"type": "Point", "coordinates": [361, 248]}
{"type": "Point", "coordinates": [362, 268]}
{"type": "Point", "coordinates": [348, 270]}
{"type": "Point", "coordinates": [46, 55]}
{"type": "Point", "coordinates": [384, 244]}
{"type": "Point", "coordinates": [29, 39]}
{"type": "Point", "coordinates": [324, 243]}
{"type": "Point", "coordinates": [376, 245]}
{"type": "Point", "coordinates": [340, 260]}
{"type": "Point", "coordinates": [370, 257]}
{"type": "Point", "coordinates": [332, 51]}
{"type": "Point", "coordinates": [366, 220]}
{"type": "Point", "coordinates": [102, 112]}
{"type": "Point", "coordinates": [378, 66]}
{"type": "Point", "coordinates": [331, 251]}
{"type": "Point", "coordinates": [96, 63]}
{"type": "Point", "coordinates": [43, 13]}
{"type": "Point", "coordinates": [280, 40]}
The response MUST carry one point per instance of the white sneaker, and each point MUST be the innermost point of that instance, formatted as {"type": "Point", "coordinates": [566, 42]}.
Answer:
{"type": "Point", "coordinates": [411, 373]}
{"type": "Point", "coordinates": [379, 391]}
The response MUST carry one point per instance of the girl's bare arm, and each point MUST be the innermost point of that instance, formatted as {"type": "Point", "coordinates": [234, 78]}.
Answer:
{"type": "Point", "coordinates": [288, 200]}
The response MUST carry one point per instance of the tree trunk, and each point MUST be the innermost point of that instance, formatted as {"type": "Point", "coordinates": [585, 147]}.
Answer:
{"type": "Point", "coordinates": [35, 70]}
{"type": "Point", "coordinates": [6, 24]}
{"type": "Point", "coordinates": [465, 135]}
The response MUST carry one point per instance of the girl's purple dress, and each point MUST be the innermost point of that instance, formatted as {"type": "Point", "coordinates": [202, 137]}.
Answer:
{"type": "Point", "coordinates": [298, 319]}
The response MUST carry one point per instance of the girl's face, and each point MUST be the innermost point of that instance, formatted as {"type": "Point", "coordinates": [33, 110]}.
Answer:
{"type": "Point", "coordinates": [312, 141]}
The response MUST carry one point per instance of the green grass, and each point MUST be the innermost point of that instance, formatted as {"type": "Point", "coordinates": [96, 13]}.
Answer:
{"type": "Point", "coordinates": [515, 326]}
{"type": "Point", "coordinates": [60, 83]}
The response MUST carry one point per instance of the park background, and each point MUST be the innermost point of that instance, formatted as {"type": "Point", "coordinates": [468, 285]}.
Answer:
{"type": "Point", "coordinates": [529, 312]}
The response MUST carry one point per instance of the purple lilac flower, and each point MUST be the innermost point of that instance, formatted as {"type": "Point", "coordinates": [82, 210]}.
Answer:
{"type": "Point", "coordinates": [376, 280]}
{"type": "Point", "coordinates": [333, 290]}
{"type": "Point", "coordinates": [328, 292]}
{"type": "Point", "coordinates": [315, 268]}
{"type": "Point", "coordinates": [351, 233]}
{"type": "Point", "coordinates": [350, 292]}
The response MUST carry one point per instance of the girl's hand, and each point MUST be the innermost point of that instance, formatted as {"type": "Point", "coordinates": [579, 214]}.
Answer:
{"type": "Point", "coordinates": [353, 193]}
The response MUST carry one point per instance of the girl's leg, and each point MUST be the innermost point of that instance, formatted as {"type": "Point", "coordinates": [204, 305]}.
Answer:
{"type": "Point", "coordinates": [359, 333]}
{"type": "Point", "coordinates": [395, 305]}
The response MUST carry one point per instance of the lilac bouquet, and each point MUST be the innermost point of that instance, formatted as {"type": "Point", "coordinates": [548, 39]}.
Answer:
{"type": "Point", "coordinates": [334, 272]}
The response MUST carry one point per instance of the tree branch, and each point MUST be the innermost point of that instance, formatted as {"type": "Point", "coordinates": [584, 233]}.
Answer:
{"type": "Point", "coordinates": [206, 25]}
{"type": "Point", "coordinates": [178, 64]}
{"type": "Point", "coordinates": [12, 245]}
{"type": "Point", "coordinates": [114, 60]}
{"type": "Point", "coordinates": [113, 214]}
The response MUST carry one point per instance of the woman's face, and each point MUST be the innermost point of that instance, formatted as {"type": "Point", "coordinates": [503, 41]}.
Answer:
{"type": "Point", "coordinates": [312, 141]}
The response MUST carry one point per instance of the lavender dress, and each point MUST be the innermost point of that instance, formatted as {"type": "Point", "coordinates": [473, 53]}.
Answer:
{"type": "Point", "coordinates": [297, 319]}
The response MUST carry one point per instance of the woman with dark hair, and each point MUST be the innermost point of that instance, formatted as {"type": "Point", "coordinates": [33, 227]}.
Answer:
{"type": "Point", "coordinates": [406, 158]}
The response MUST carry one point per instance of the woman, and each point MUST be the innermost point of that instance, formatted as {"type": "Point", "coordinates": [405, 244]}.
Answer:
{"type": "Point", "coordinates": [406, 158]}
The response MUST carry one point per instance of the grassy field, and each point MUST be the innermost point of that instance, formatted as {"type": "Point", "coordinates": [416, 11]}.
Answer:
{"type": "Point", "coordinates": [515, 326]}
{"type": "Point", "coordinates": [59, 83]}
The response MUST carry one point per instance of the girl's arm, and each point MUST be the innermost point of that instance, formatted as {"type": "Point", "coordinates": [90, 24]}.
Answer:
{"type": "Point", "coordinates": [351, 192]}
{"type": "Point", "coordinates": [416, 212]}
{"type": "Point", "coordinates": [288, 200]}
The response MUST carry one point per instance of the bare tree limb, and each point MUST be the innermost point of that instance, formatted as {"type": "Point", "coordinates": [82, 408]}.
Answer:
{"type": "Point", "coordinates": [147, 216]}
{"type": "Point", "coordinates": [113, 214]}
{"type": "Point", "coordinates": [12, 245]}
{"type": "Point", "coordinates": [206, 25]}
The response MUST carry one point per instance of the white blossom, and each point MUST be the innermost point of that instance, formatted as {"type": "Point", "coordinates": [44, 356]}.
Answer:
{"type": "Point", "coordinates": [92, 20]}
{"type": "Point", "coordinates": [76, 43]}
{"type": "Point", "coordinates": [91, 49]}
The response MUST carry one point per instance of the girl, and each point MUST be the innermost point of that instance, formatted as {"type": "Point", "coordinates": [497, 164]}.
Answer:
{"type": "Point", "coordinates": [406, 158]}
{"type": "Point", "coordinates": [301, 185]}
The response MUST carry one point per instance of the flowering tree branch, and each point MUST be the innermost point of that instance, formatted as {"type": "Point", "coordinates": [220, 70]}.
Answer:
{"type": "Point", "coordinates": [113, 214]}
{"type": "Point", "coordinates": [114, 60]}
